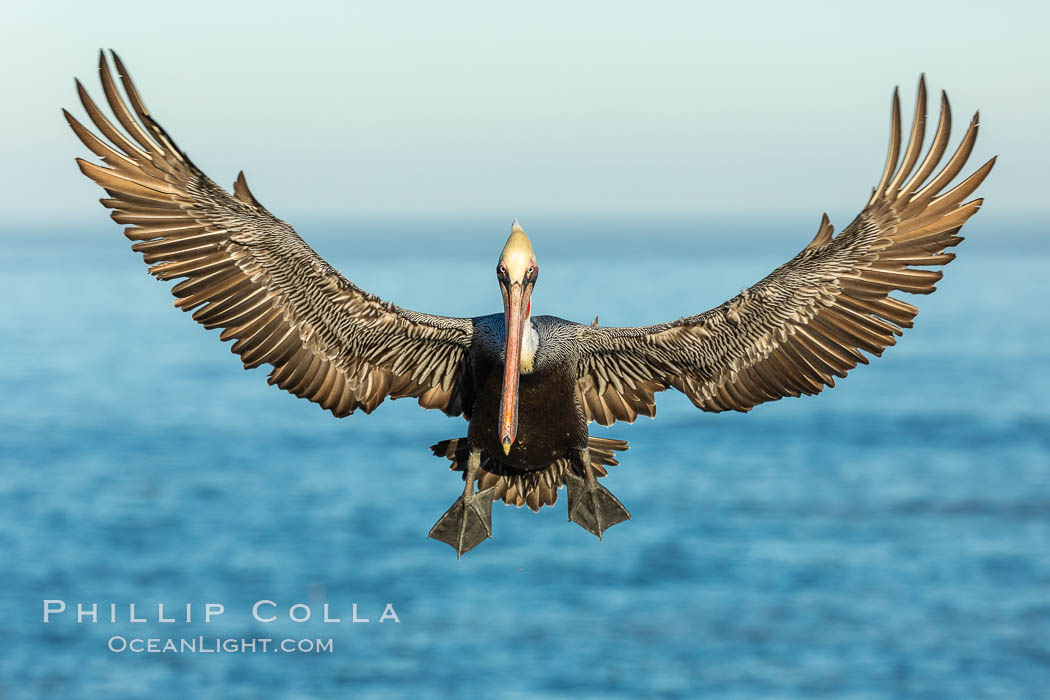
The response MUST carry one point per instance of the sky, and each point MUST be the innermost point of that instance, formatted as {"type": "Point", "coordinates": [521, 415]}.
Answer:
{"type": "Point", "coordinates": [502, 111]}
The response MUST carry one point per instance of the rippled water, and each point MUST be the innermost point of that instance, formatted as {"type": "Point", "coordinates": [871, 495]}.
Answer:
{"type": "Point", "coordinates": [890, 537]}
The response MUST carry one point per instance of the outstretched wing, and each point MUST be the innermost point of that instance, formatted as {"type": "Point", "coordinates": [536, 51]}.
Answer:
{"type": "Point", "coordinates": [814, 317]}
{"type": "Point", "coordinates": [250, 274]}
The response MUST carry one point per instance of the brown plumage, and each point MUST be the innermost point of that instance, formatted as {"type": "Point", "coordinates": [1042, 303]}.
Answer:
{"type": "Point", "coordinates": [532, 488]}
{"type": "Point", "coordinates": [811, 318]}
{"type": "Point", "coordinates": [248, 273]}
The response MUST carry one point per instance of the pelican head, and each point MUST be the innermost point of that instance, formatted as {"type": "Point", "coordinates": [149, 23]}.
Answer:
{"type": "Point", "coordinates": [517, 272]}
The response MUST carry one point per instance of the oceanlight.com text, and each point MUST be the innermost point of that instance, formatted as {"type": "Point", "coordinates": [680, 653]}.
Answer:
{"type": "Point", "coordinates": [218, 645]}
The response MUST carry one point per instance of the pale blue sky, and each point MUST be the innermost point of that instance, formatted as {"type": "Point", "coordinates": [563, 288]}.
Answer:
{"type": "Point", "coordinates": [482, 109]}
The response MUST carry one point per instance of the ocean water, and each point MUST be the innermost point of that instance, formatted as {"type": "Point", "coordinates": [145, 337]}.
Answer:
{"type": "Point", "coordinates": [888, 538]}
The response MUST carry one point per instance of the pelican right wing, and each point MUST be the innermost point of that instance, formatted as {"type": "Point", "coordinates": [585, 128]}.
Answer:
{"type": "Point", "coordinates": [811, 318]}
{"type": "Point", "coordinates": [250, 274]}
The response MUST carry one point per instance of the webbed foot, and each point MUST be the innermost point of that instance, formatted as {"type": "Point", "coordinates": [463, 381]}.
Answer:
{"type": "Point", "coordinates": [469, 521]}
{"type": "Point", "coordinates": [592, 506]}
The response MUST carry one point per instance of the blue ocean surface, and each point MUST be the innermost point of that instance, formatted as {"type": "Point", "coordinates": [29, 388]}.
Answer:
{"type": "Point", "coordinates": [888, 538]}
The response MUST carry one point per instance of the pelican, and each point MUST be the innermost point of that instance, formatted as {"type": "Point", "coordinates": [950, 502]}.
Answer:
{"type": "Point", "coordinates": [527, 385]}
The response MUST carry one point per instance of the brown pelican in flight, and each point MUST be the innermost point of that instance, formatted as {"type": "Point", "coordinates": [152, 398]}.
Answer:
{"type": "Point", "coordinates": [527, 385]}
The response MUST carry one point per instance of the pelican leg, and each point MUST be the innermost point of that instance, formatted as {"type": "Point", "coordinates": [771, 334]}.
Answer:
{"type": "Point", "coordinates": [469, 521]}
{"type": "Point", "coordinates": [591, 505]}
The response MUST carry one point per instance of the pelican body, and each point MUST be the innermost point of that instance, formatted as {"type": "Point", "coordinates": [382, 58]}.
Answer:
{"type": "Point", "coordinates": [550, 422]}
{"type": "Point", "coordinates": [528, 386]}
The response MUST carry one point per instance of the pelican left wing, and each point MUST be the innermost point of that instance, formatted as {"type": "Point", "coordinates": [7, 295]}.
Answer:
{"type": "Point", "coordinates": [809, 320]}
{"type": "Point", "coordinates": [249, 273]}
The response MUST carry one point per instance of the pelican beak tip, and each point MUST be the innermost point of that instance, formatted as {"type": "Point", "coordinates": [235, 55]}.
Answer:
{"type": "Point", "coordinates": [506, 445]}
